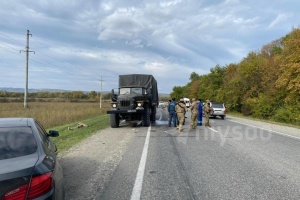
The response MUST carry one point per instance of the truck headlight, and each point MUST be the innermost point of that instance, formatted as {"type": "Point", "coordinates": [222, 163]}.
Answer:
{"type": "Point", "coordinates": [140, 104]}
{"type": "Point", "coordinates": [114, 105]}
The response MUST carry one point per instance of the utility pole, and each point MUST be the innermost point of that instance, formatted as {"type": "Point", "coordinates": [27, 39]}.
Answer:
{"type": "Point", "coordinates": [26, 75]}
{"type": "Point", "coordinates": [101, 92]}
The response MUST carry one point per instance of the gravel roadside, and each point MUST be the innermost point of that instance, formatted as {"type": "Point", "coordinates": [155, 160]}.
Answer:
{"type": "Point", "coordinates": [89, 165]}
{"type": "Point", "coordinates": [295, 132]}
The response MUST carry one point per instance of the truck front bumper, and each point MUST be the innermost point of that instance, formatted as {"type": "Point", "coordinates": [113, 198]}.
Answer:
{"type": "Point", "coordinates": [139, 111]}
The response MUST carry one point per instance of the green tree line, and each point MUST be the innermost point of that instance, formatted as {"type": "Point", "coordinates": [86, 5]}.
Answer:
{"type": "Point", "coordinates": [265, 84]}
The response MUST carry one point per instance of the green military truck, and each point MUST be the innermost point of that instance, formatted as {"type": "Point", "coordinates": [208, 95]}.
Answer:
{"type": "Point", "coordinates": [136, 100]}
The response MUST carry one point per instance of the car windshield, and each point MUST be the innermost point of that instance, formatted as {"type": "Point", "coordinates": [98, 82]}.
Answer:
{"type": "Point", "coordinates": [217, 105]}
{"type": "Point", "coordinates": [16, 142]}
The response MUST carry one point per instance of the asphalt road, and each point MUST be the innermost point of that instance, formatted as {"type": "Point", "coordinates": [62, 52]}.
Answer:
{"type": "Point", "coordinates": [234, 159]}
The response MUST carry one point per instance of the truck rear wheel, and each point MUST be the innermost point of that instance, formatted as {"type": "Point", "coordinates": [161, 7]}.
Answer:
{"type": "Point", "coordinates": [114, 121]}
{"type": "Point", "coordinates": [146, 116]}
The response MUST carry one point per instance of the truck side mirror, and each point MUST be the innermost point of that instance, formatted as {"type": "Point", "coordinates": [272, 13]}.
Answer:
{"type": "Point", "coordinates": [114, 97]}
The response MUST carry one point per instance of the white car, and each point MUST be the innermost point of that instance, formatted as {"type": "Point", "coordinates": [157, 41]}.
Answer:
{"type": "Point", "coordinates": [187, 102]}
{"type": "Point", "coordinates": [217, 109]}
{"type": "Point", "coordinates": [161, 104]}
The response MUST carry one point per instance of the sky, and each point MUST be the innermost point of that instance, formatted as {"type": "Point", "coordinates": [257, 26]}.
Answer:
{"type": "Point", "coordinates": [84, 45]}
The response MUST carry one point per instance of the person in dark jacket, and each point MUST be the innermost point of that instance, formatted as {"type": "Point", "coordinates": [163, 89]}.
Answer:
{"type": "Point", "coordinates": [200, 112]}
{"type": "Point", "coordinates": [172, 113]}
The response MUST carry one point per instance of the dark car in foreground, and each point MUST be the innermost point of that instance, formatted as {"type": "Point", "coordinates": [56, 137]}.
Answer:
{"type": "Point", "coordinates": [29, 168]}
{"type": "Point", "coordinates": [217, 109]}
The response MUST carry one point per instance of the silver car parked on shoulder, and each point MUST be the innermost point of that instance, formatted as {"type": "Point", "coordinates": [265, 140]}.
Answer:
{"type": "Point", "coordinates": [217, 109]}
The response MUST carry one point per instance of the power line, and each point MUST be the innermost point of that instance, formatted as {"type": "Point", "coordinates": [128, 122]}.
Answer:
{"type": "Point", "coordinates": [12, 39]}
{"type": "Point", "coordinates": [35, 55]}
{"type": "Point", "coordinates": [9, 46]}
{"type": "Point", "coordinates": [10, 51]}
{"type": "Point", "coordinates": [35, 59]}
{"type": "Point", "coordinates": [42, 59]}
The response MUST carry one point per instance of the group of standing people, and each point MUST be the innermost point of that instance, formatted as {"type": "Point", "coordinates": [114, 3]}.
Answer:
{"type": "Point", "coordinates": [178, 109]}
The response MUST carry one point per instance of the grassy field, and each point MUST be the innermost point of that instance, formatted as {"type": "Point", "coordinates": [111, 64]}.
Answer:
{"type": "Point", "coordinates": [52, 114]}
{"type": "Point", "coordinates": [63, 116]}
{"type": "Point", "coordinates": [69, 137]}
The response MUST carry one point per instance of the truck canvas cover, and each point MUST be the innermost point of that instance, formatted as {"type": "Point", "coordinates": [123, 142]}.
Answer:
{"type": "Point", "coordinates": [139, 80]}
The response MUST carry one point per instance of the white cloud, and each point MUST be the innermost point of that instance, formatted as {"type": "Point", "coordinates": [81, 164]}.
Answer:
{"type": "Point", "coordinates": [280, 18]}
{"type": "Point", "coordinates": [106, 38]}
{"type": "Point", "coordinates": [169, 3]}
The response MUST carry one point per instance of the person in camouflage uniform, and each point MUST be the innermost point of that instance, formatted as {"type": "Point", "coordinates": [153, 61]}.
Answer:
{"type": "Point", "coordinates": [180, 111]}
{"type": "Point", "coordinates": [194, 114]}
{"type": "Point", "coordinates": [206, 109]}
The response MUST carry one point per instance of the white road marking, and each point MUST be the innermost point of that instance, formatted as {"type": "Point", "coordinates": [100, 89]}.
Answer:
{"type": "Point", "coordinates": [213, 130]}
{"type": "Point", "coordinates": [137, 189]}
{"type": "Point", "coordinates": [267, 130]}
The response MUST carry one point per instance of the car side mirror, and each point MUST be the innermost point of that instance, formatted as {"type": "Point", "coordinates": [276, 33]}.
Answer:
{"type": "Point", "coordinates": [53, 133]}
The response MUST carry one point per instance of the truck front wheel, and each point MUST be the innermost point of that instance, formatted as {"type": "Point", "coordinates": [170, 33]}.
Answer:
{"type": "Point", "coordinates": [146, 116]}
{"type": "Point", "coordinates": [114, 120]}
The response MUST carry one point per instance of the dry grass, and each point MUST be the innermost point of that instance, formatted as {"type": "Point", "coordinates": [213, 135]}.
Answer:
{"type": "Point", "coordinates": [52, 114]}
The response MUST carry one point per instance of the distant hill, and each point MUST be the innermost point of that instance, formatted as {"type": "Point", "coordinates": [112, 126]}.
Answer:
{"type": "Point", "coordinates": [57, 90]}
{"type": "Point", "coordinates": [163, 95]}
{"type": "Point", "coordinates": [30, 90]}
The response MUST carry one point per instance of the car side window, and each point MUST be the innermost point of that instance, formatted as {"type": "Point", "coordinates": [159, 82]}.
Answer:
{"type": "Point", "coordinates": [46, 140]}
{"type": "Point", "coordinates": [42, 133]}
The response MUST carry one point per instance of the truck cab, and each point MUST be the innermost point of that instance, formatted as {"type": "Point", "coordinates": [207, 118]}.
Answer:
{"type": "Point", "coordinates": [136, 100]}
{"type": "Point", "coordinates": [129, 98]}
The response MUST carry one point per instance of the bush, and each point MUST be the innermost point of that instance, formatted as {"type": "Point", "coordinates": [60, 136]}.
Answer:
{"type": "Point", "coordinates": [260, 107]}
{"type": "Point", "coordinates": [287, 115]}
{"type": "Point", "coordinates": [246, 110]}
{"type": "Point", "coordinates": [263, 110]}
{"type": "Point", "coordinates": [249, 105]}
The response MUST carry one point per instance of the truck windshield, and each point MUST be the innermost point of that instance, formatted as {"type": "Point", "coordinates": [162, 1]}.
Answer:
{"type": "Point", "coordinates": [124, 90]}
{"type": "Point", "coordinates": [137, 90]}
{"type": "Point", "coordinates": [131, 91]}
